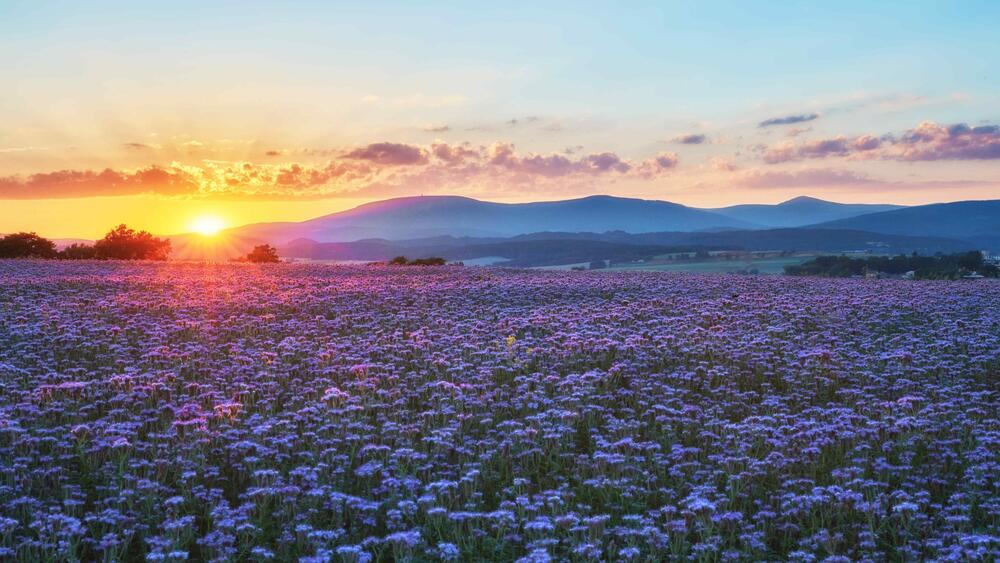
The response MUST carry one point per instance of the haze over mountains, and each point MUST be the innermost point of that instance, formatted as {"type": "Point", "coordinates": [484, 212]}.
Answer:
{"type": "Point", "coordinates": [430, 216]}
{"type": "Point", "coordinates": [799, 212]}
{"type": "Point", "coordinates": [585, 228]}
{"type": "Point", "coordinates": [974, 221]}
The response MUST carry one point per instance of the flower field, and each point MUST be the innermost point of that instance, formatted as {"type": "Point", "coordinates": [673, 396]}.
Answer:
{"type": "Point", "coordinates": [314, 413]}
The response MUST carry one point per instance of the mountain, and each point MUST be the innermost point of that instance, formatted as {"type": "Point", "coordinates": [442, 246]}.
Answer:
{"type": "Point", "coordinates": [799, 212]}
{"type": "Point", "coordinates": [975, 221]}
{"type": "Point", "coordinates": [430, 216]}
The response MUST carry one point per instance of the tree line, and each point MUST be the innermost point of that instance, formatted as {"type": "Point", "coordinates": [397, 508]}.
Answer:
{"type": "Point", "coordinates": [941, 266]}
{"type": "Point", "coordinates": [120, 243]}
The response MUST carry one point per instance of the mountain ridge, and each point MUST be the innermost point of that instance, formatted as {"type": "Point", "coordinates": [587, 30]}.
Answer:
{"type": "Point", "coordinates": [428, 216]}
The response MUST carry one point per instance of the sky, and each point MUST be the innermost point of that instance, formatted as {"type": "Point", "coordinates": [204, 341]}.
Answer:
{"type": "Point", "coordinates": [160, 116]}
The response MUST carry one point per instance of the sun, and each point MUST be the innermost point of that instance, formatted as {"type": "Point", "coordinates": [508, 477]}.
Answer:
{"type": "Point", "coordinates": [207, 225]}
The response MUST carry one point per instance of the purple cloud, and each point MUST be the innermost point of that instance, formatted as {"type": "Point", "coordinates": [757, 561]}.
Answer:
{"type": "Point", "coordinates": [690, 139]}
{"type": "Point", "coordinates": [925, 142]}
{"type": "Point", "coordinates": [930, 141]}
{"type": "Point", "coordinates": [607, 161]}
{"type": "Point", "coordinates": [788, 119]}
{"type": "Point", "coordinates": [390, 154]}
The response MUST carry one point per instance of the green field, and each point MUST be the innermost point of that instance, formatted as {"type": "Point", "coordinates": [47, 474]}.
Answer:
{"type": "Point", "coordinates": [762, 265]}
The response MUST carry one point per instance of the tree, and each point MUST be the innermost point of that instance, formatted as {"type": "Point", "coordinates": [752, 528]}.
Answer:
{"type": "Point", "coordinates": [123, 243]}
{"type": "Point", "coordinates": [263, 254]}
{"type": "Point", "coordinates": [26, 245]}
{"type": "Point", "coordinates": [78, 251]}
{"type": "Point", "coordinates": [399, 261]}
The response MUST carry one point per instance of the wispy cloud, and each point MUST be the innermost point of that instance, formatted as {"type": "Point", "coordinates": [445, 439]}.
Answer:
{"type": "Point", "coordinates": [788, 119]}
{"type": "Point", "coordinates": [141, 146]}
{"type": "Point", "coordinates": [757, 178]}
{"type": "Point", "coordinates": [392, 154]}
{"type": "Point", "coordinates": [690, 139]}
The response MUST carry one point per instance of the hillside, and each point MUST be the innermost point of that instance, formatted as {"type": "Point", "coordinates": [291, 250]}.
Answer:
{"type": "Point", "coordinates": [975, 221]}
{"type": "Point", "coordinates": [549, 248]}
{"type": "Point", "coordinates": [799, 212]}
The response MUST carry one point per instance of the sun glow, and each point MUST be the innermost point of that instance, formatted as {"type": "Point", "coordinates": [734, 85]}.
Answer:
{"type": "Point", "coordinates": [208, 225]}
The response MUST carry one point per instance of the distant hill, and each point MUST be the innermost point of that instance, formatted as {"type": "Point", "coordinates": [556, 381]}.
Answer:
{"type": "Point", "coordinates": [799, 212]}
{"type": "Point", "coordinates": [975, 221]}
{"type": "Point", "coordinates": [430, 216]}
{"type": "Point", "coordinates": [552, 248]}
{"type": "Point", "coordinates": [383, 229]}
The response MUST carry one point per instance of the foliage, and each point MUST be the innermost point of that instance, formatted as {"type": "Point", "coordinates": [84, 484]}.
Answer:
{"type": "Point", "coordinates": [26, 245]}
{"type": "Point", "coordinates": [263, 254]}
{"type": "Point", "coordinates": [78, 251]}
{"type": "Point", "coordinates": [950, 266]}
{"type": "Point", "coordinates": [211, 412]}
{"type": "Point", "coordinates": [431, 261]}
{"type": "Point", "coordinates": [123, 243]}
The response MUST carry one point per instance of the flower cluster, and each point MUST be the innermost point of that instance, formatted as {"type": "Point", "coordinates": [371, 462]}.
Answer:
{"type": "Point", "coordinates": [174, 412]}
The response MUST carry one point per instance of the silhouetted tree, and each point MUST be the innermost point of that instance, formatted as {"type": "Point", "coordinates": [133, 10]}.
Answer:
{"type": "Point", "coordinates": [26, 245]}
{"type": "Point", "coordinates": [77, 251]}
{"type": "Point", "coordinates": [123, 243]}
{"type": "Point", "coordinates": [263, 254]}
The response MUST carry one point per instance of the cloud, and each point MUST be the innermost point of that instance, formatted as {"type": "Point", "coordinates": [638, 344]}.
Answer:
{"type": "Point", "coordinates": [656, 165]}
{"type": "Point", "coordinates": [11, 150]}
{"type": "Point", "coordinates": [108, 182]}
{"type": "Point", "coordinates": [139, 146]}
{"type": "Point", "coordinates": [386, 166]}
{"type": "Point", "coordinates": [927, 141]}
{"type": "Point", "coordinates": [930, 141]}
{"type": "Point", "coordinates": [453, 154]}
{"type": "Point", "coordinates": [690, 139]}
{"type": "Point", "coordinates": [801, 178]}
{"type": "Point", "coordinates": [437, 128]}
{"type": "Point", "coordinates": [788, 119]}
{"type": "Point", "coordinates": [721, 164]}
{"type": "Point", "coordinates": [607, 161]}
{"type": "Point", "coordinates": [391, 154]}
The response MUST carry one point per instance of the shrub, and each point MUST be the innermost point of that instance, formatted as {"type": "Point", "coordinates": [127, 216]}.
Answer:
{"type": "Point", "coordinates": [430, 261]}
{"type": "Point", "coordinates": [263, 254]}
{"type": "Point", "coordinates": [26, 245]}
{"type": "Point", "coordinates": [77, 251]}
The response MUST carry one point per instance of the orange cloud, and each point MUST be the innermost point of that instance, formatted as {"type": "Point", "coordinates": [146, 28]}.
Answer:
{"type": "Point", "coordinates": [367, 168]}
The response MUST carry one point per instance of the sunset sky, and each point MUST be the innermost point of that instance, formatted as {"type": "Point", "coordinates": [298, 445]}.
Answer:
{"type": "Point", "coordinates": [252, 111]}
